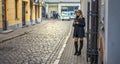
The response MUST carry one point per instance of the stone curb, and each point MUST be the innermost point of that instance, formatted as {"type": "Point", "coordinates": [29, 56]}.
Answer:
{"type": "Point", "coordinates": [20, 34]}
{"type": "Point", "coordinates": [14, 36]}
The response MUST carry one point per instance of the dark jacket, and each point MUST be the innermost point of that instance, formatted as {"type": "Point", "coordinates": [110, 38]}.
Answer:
{"type": "Point", "coordinates": [79, 31]}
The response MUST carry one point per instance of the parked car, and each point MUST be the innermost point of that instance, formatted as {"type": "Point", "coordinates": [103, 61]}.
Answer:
{"type": "Point", "coordinates": [71, 14]}
{"type": "Point", "coordinates": [65, 15]}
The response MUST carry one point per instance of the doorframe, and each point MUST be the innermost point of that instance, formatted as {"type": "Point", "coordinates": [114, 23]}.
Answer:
{"type": "Point", "coordinates": [36, 13]}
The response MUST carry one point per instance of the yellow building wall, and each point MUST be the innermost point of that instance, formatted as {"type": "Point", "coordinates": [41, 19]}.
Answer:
{"type": "Point", "coordinates": [0, 13]}
{"type": "Point", "coordinates": [11, 19]}
{"type": "Point", "coordinates": [19, 11]}
{"type": "Point", "coordinates": [40, 12]}
{"type": "Point", "coordinates": [25, 0]}
{"type": "Point", "coordinates": [28, 10]}
{"type": "Point", "coordinates": [10, 13]}
{"type": "Point", "coordinates": [37, 12]}
{"type": "Point", "coordinates": [33, 13]}
{"type": "Point", "coordinates": [39, 15]}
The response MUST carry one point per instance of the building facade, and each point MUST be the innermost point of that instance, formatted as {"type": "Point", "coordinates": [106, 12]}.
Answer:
{"type": "Point", "coordinates": [18, 13]}
{"type": "Point", "coordinates": [60, 5]}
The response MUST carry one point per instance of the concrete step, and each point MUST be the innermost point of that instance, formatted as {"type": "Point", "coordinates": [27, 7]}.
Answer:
{"type": "Point", "coordinates": [6, 31]}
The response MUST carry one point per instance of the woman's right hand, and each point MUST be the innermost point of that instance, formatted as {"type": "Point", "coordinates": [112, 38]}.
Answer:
{"type": "Point", "coordinates": [74, 22]}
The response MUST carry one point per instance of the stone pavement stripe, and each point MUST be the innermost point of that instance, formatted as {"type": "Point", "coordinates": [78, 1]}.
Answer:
{"type": "Point", "coordinates": [61, 51]}
{"type": "Point", "coordinates": [55, 52]}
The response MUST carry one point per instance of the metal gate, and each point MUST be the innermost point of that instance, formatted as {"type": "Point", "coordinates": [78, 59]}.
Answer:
{"type": "Point", "coordinates": [92, 32]}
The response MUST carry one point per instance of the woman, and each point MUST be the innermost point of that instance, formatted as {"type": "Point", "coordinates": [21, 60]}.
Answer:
{"type": "Point", "coordinates": [79, 32]}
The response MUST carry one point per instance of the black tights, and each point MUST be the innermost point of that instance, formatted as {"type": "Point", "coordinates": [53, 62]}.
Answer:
{"type": "Point", "coordinates": [76, 46]}
{"type": "Point", "coordinates": [81, 45]}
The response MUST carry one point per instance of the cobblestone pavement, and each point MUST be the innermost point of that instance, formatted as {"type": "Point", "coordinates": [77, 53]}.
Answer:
{"type": "Point", "coordinates": [34, 47]}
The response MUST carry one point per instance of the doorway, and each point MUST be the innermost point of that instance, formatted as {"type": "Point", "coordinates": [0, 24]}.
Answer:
{"type": "Point", "coordinates": [36, 13]}
{"type": "Point", "coordinates": [43, 11]}
{"type": "Point", "coordinates": [23, 13]}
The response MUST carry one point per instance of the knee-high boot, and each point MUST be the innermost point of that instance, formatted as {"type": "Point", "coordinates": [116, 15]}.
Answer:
{"type": "Point", "coordinates": [76, 48]}
{"type": "Point", "coordinates": [80, 48]}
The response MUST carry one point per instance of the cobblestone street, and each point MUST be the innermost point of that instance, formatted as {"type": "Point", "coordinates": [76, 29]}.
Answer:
{"type": "Point", "coordinates": [37, 46]}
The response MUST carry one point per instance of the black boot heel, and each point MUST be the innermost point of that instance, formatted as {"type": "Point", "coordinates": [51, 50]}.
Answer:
{"type": "Point", "coordinates": [75, 53]}
{"type": "Point", "coordinates": [79, 53]}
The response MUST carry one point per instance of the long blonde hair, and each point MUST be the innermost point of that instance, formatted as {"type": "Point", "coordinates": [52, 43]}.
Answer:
{"type": "Point", "coordinates": [81, 14]}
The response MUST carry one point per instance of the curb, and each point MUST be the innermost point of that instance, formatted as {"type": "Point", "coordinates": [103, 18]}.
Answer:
{"type": "Point", "coordinates": [6, 32]}
{"type": "Point", "coordinates": [18, 34]}
{"type": "Point", "coordinates": [6, 39]}
{"type": "Point", "coordinates": [62, 49]}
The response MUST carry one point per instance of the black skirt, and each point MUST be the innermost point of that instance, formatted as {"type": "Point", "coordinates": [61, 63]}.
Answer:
{"type": "Point", "coordinates": [79, 32]}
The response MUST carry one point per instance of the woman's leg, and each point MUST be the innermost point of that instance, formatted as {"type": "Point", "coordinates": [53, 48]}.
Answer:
{"type": "Point", "coordinates": [76, 45]}
{"type": "Point", "coordinates": [81, 46]}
